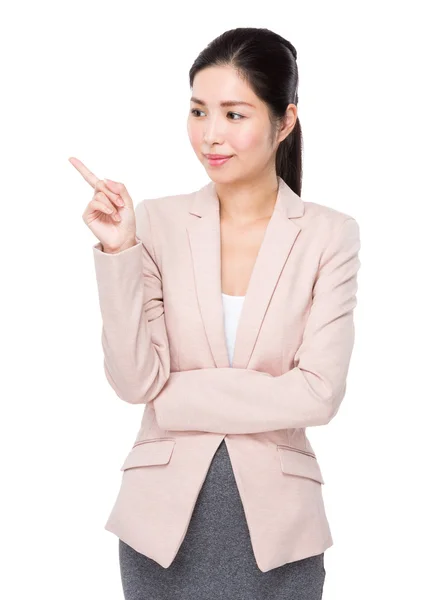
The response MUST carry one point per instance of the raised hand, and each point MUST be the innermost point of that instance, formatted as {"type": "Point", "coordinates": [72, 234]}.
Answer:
{"type": "Point", "coordinates": [110, 214]}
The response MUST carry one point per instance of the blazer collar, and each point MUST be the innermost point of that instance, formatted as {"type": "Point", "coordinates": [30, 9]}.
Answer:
{"type": "Point", "coordinates": [203, 229]}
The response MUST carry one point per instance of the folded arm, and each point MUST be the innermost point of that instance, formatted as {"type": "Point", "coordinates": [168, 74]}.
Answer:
{"type": "Point", "coordinates": [231, 400]}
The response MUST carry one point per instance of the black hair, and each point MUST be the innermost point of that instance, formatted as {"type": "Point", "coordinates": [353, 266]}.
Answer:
{"type": "Point", "coordinates": [267, 62]}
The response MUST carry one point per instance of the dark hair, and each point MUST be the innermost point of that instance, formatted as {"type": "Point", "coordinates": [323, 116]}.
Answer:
{"type": "Point", "coordinates": [267, 62]}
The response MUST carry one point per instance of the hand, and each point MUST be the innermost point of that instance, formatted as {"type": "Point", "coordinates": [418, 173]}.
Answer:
{"type": "Point", "coordinates": [110, 214]}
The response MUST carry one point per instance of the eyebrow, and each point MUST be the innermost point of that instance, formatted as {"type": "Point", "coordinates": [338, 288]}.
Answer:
{"type": "Point", "coordinates": [226, 103]}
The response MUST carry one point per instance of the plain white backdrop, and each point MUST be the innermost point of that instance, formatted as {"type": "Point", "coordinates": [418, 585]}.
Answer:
{"type": "Point", "coordinates": [107, 82]}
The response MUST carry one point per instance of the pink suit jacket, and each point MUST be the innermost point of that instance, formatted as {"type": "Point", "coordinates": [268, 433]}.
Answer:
{"type": "Point", "coordinates": [164, 347]}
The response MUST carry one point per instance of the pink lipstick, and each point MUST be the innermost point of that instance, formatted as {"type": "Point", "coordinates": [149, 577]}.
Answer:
{"type": "Point", "coordinates": [216, 160]}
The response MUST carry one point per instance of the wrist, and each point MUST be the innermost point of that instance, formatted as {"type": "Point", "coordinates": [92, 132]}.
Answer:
{"type": "Point", "coordinates": [125, 246]}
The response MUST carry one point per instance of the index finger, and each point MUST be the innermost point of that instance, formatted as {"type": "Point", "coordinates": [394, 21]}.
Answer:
{"type": "Point", "coordinates": [84, 171]}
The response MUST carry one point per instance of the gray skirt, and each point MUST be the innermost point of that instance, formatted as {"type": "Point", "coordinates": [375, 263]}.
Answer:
{"type": "Point", "coordinates": [215, 560]}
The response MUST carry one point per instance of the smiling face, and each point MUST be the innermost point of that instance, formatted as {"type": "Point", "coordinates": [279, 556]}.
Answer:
{"type": "Point", "coordinates": [242, 131]}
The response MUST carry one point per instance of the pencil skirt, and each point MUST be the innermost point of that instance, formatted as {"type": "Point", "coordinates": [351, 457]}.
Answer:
{"type": "Point", "coordinates": [215, 560]}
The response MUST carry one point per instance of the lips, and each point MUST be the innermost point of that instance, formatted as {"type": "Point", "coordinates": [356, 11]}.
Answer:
{"type": "Point", "coordinates": [217, 156]}
{"type": "Point", "coordinates": [216, 162]}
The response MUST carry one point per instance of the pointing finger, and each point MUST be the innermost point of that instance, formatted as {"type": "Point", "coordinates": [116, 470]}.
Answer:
{"type": "Point", "coordinates": [84, 171]}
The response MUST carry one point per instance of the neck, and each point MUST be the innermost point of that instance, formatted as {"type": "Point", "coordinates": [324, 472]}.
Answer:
{"type": "Point", "coordinates": [247, 201]}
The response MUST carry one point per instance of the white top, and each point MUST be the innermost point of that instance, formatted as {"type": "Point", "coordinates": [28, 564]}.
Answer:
{"type": "Point", "coordinates": [232, 311]}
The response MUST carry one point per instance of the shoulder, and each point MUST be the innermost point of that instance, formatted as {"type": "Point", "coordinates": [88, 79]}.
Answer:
{"type": "Point", "coordinates": [164, 210]}
{"type": "Point", "coordinates": [323, 213]}
{"type": "Point", "coordinates": [324, 222]}
{"type": "Point", "coordinates": [168, 205]}
{"type": "Point", "coordinates": [159, 219]}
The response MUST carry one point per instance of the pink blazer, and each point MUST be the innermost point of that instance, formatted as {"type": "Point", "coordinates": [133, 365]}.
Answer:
{"type": "Point", "coordinates": [164, 347]}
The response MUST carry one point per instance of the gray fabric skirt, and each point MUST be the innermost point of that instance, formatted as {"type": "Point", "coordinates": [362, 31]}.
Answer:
{"type": "Point", "coordinates": [215, 560]}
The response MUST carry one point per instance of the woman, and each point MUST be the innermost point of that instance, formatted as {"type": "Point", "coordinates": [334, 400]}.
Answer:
{"type": "Point", "coordinates": [244, 110]}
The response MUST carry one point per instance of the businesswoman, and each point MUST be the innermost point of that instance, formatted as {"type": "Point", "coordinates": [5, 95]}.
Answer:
{"type": "Point", "coordinates": [227, 312]}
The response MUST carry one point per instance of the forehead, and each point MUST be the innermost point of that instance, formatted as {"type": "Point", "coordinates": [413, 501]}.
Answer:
{"type": "Point", "coordinates": [223, 85]}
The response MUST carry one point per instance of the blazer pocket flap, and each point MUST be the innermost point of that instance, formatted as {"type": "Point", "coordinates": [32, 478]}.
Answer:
{"type": "Point", "coordinates": [296, 462]}
{"type": "Point", "coordinates": [149, 452]}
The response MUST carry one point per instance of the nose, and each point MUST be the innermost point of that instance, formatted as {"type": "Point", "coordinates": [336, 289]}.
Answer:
{"type": "Point", "coordinates": [213, 133]}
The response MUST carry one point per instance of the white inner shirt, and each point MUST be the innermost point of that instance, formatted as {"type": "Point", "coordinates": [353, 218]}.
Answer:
{"type": "Point", "coordinates": [232, 311]}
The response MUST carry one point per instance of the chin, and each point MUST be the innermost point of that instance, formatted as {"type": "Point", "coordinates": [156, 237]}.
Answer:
{"type": "Point", "coordinates": [220, 177]}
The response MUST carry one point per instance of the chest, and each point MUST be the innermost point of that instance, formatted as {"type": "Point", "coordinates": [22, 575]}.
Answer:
{"type": "Point", "coordinates": [272, 265]}
{"type": "Point", "coordinates": [239, 250]}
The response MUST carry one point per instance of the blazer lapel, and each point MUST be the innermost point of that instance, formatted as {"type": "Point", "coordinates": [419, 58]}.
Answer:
{"type": "Point", "coordinates": [204, 233]}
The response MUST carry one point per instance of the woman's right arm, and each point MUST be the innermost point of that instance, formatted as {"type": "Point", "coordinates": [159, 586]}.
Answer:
{"type": "Point", "coordinates": [134, 337]}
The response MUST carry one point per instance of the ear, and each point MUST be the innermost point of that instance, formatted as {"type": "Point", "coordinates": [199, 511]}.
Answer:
{"type": "Point", "coordinates": [288, 122]}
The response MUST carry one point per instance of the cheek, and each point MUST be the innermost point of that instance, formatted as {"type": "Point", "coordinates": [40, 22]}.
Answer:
{"type": "Point", "coordinates": [195, 135]}
{"type": "Point", "coordinates": [247, 141]}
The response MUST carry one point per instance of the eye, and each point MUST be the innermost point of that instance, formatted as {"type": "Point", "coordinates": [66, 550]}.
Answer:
{"type": "Point", "coordinates": [238, 115]}
{"type": "Point", "coordinates": [196, 110]}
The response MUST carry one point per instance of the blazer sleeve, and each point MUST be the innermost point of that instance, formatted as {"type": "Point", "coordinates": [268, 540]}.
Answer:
{"type": "Point", "coordinates": [134, 337]}
{"type": "Point", "coordinates": [238, 401]}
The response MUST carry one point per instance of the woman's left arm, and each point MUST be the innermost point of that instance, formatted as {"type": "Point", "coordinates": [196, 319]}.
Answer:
{"type": "Point", "coordinates": [231, 400]}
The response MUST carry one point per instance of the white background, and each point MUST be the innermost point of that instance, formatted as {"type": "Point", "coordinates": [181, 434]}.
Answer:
{"type": "Point", "coordinates": [108, 83]}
